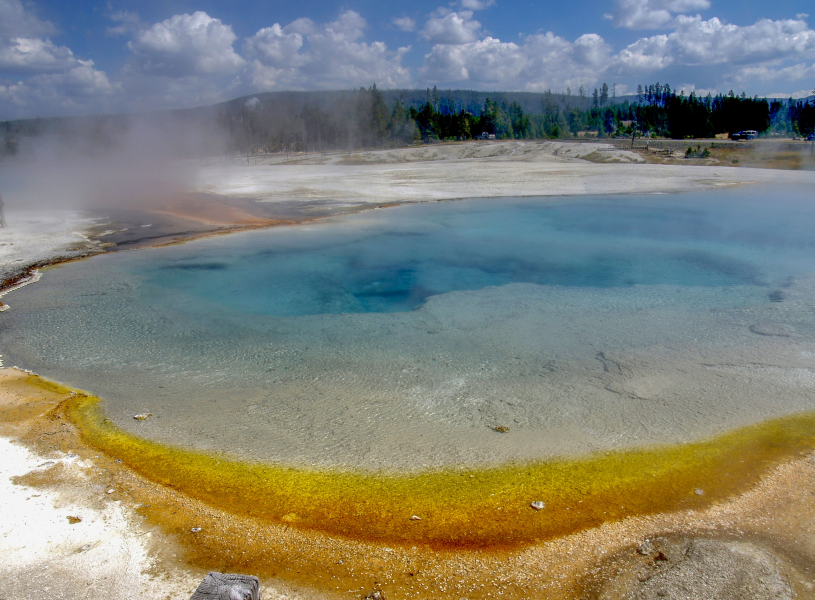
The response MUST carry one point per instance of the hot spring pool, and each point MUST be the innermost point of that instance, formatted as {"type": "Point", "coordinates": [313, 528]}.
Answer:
{"type": "Point", "coordinates": [405, 337]}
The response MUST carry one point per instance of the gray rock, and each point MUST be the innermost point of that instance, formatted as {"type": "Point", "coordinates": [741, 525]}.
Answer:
{"type": "Point", "coordinates": [696, 569]}
{"type": "Point", "coordinates": [538, 505]}
{"type": "Point", "coordinates": [222, 586]}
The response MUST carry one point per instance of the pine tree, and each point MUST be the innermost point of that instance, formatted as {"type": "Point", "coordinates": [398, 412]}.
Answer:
{"type": "Point", "coordinates": [399, 117]}
{"type": "Point", "coordinates": [666, 94]}
{"type": "Point", "coordinates": [379, 114]}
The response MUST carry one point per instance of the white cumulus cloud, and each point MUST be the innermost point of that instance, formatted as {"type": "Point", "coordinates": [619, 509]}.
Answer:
{"type": "Point", "coordinates": [275, 46]}
{"type": "Point", "coordinates": [185, 45]}
{"type": "Point", "coordinates": [191, 59]}
{"type": "Point", "coordinates": [542, 61]}
{"type": "Point", "coordinates": [700, 54]}
{"type": "Point", "coordinates": [79, 88]}
{"type": "Point", "coordinates": [34, 55]}
{"type": "Point", "coordinates": [650, 14]}
{"type": "Point", "coordinates": [49, 79]}
{"type": "Point", "coordinates": [476, 4]}
{"type": "Point", "coordinates": [696, 42]}
{"type": "Point", "coordinates": [404, 23]}
{"type": "Point", "coordinates": [446, 27]}
{"type": "Point", "coordinates": [306, 55]}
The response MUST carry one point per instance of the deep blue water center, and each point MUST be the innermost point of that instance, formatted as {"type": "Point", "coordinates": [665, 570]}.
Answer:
{"type": "Point", "coordinates": [392, 260]}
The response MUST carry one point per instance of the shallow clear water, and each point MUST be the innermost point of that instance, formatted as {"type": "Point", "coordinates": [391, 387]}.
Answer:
{"type": "Point", "coordinates": [403, 337]}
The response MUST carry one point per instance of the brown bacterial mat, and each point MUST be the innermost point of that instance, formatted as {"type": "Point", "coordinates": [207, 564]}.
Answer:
{"type": "Point", "coordinates": [319, 527]}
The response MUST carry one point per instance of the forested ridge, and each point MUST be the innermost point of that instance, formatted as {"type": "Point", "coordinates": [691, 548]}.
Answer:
{"type": "Point", "coordinates": [368, 118]}
{"type": "Point", "coordinates": [372, 118]}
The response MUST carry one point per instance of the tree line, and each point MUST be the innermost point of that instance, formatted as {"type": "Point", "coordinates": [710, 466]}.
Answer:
{"type": "Point", "coordinates": [372, 118]}
{"type": "Point", "coordinates": [365, 118]}
{"type": "Point", "coordinates": [661, 111]}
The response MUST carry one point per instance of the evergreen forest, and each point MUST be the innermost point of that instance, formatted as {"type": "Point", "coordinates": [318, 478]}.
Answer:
{"type": "Point", "coordinates": [372, 118]}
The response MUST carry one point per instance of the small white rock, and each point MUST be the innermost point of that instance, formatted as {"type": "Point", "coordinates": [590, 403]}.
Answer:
{"type": "Point", "coordinates": [699, 492]}
{"type": "Point", "coordinates": [415, 518]}
{"type": "Point", "coordinates": [111, 490]}
{"type": "Point", "coordinates": [646, 548]}
{"type": "Point", "coordinates": [538, 505]}
{"type": "Point", "coordinates": [142, 416]}
{"type": "Point", "coordinates": [195, 529]}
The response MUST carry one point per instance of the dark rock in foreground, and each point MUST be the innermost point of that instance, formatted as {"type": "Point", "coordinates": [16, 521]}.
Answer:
{"type": "Point", "coordinates": [221, 586]}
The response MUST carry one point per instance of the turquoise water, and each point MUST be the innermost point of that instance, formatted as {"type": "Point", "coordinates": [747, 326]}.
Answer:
{"type": "Point", "coordinates": [402, 337]}
{"type": "Point", "coordinates": [394, 260]}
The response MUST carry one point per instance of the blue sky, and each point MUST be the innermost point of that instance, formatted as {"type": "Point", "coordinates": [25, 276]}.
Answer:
{"type": "Point", "coordinates": [89, 56]}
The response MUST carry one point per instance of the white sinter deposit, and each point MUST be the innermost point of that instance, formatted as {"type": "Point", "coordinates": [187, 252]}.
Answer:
{"type": "Point", "coordinates": [103, 555]}
{"type": "Point", "coordinates": [466, 170]}
{"type": "Point", "coordinates": [40, 236]}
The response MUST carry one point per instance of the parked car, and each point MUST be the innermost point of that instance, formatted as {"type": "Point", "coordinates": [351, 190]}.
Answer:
{"type": "Point", "coordinates": [747, 134]}
{"type": "Point", "coordinates": [811, 137]}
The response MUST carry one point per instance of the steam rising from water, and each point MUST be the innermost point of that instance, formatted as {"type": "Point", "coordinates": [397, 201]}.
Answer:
{"type": "Point", "coordinates": [126, 161]}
